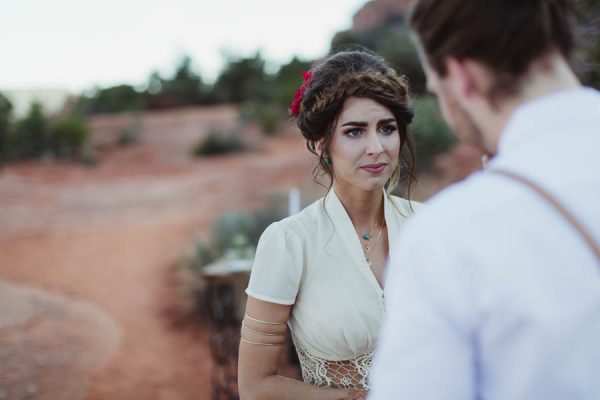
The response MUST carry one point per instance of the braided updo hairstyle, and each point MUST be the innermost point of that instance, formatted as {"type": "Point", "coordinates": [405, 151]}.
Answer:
{"type": "Point", "coordinates": [332, 82]}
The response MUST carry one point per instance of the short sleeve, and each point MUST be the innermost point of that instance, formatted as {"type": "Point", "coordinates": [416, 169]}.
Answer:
{"type": "Point", "coordinates": [277, 267]}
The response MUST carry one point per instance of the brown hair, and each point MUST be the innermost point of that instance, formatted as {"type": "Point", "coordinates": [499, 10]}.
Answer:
{"type": "Point", "coordinates": [505, 35]}
{"type": "Point", "coordinates": [362, 74]}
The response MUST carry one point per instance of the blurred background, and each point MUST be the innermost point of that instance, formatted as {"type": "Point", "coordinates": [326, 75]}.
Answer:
{"type": "Point", "coordinates": [144, 147]}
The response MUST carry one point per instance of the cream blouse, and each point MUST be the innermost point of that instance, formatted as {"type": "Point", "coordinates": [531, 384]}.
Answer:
{"type": "Point", "coordinates": [315, 262]}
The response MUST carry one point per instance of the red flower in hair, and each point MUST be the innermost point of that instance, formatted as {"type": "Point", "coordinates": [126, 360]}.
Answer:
{"type": "Point", "coordinates": [295, 107]}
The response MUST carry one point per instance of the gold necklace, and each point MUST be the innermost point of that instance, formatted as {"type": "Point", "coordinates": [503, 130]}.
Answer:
{"type": "Point", "coordinates": [368, 247]}
{"type": "Point", "coordinates": [366, 242]}
{"type": "Point", "coordinates": [369, 235]}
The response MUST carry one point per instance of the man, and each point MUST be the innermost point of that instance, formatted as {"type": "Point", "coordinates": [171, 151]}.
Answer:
{"type": "Point", "coordinates": [493, 293]}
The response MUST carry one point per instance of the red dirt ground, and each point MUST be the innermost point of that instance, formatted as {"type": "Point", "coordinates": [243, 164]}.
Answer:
{"type": "Point", "coordinates": [88, 256]}
{"type": "Point", "coordinates": [89, 283]}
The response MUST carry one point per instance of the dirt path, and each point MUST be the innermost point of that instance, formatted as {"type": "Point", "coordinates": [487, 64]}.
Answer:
{"type": "Point", "coordinates": [109, 238]}
{"type": "Point", "coordinates": [124, 272]}
{"type": "Point", "coordinates": [50, 344]}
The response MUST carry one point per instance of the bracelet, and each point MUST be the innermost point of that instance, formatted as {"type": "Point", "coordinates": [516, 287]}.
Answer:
{"type": "Point", "coordinates": [260, 344]}
{"type": "Point", "coordinates": [264, 322]}
{"type": "Point", "coordinates": [261, 333]}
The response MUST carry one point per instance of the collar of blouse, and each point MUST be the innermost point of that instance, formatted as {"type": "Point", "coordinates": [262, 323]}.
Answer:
{"type": "Point", "coordinates": [348, 236]}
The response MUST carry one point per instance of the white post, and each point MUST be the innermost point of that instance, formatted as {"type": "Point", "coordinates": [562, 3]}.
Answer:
{"type": "Point", "coordinates": [294, 201]}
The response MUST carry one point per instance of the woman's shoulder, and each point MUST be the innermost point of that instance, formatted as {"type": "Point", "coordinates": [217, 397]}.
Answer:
{"type": "Point", "coordinates": [299, 224]}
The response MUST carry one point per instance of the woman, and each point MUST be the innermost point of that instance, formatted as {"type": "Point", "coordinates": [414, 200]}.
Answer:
{"type": "Point", "coordinates": [320, 272]}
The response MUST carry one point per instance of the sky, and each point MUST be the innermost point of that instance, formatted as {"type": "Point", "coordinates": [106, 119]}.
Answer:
{"type": "Point", "coordinates": [78, 44]}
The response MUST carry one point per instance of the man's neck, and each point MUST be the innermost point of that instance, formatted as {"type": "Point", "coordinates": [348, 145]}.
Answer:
{"type": "Point", "coordinates": [546, 76]}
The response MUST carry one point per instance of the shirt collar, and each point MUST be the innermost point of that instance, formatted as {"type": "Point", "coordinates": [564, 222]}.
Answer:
{"type": "Point", "coordinates": [333, 201]}
{"type": "Point", "coordinates": [347, 234]}
{"type": "Point", "coordinates": [536, 116]}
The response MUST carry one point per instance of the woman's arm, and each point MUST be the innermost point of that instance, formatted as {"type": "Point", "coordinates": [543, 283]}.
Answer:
{"type": "Point", "coordinates": [261, 348]}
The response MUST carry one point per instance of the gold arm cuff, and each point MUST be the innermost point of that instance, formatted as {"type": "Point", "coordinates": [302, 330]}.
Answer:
{"type": "Point", "coordinates": [264, 322]}
{"type": "Point", "coordinates": [260, 344]}
{"type": "Point", "coordinates": [261, 333]}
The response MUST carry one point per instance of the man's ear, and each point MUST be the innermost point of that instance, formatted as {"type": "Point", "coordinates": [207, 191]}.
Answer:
{"type": "Point", "coordinates": [459, 77]}
{"type": "Point", "coordinates": [468, 77]}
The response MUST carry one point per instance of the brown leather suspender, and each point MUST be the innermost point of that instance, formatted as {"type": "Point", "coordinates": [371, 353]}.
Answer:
{"type": "Point", "coordinates": [584, 233]}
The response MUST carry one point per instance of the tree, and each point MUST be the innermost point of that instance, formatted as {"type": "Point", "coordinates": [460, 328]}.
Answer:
{"type": "Point", "coordinates": [587, 58]}
{"type": "Point", "coordinates": [30, 139]}
{"type": "Point", "coordinates": [287, 81]}
{"type": "Point", "coordinates": [186, 86]}
{"type": "Point", "coordinates": [432, 135]}
{"type": "Point", "coordinates": [272, 108]}
{"type": "Point", "coordinates": [117, 99]}
{"type": "Point", "coordinates": [5, 124]}
{"type": "Point", "coordinates": [242, 80]}
{"type": "Point", "coordinates": [69, 136]}
{"type": "Point", "coordinates": [111, 100]}
{"type": "Point", "coordinates": [392, 41]}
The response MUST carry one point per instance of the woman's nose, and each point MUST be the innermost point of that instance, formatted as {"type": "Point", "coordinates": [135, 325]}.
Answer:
{"type": "Point", "coordinates": [374, 145]}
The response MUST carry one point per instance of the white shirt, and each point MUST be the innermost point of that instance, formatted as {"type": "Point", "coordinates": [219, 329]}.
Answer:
{"type": "Point", "coordinates": [314, 260]}
{"type": "Point", "coordinates": [491, 293]}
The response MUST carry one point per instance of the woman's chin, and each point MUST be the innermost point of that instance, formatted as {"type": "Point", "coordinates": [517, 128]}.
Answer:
{"type": "Point", "coordinates": [373, 185]}
{"type": "Point", "coordinates": [370, 184]}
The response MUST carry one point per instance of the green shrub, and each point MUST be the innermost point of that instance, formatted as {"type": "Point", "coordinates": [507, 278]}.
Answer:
{"type": "Point", "coordinates": [127, 137]}
{"type": "Point", "coordinates": [110, 100]}
{"type": "Point", "coordinates": [69, 136]}
{"type": "Point", "coordinates": [217, 143]}
{"type": "Point", "coordinates": [204, 254]}
{"type": "Point", "coordinates": [237, 231]}
{"type": "Point", "coordinates": [30, 138]}
{"type": "Point", "coordinates": [432, 135]}
{"type": "Point", "coordinates": [268, 116]}
{"type": "Point", "coordinates": [250, 225]}
{"type": "Point", "coordinates": [35, 136]}
{"type": "Point", "coordinates": [5, 124]}
{"type": "Point", "coordinates": [130, 134]}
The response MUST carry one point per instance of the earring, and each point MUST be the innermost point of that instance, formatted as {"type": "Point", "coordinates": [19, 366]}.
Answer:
{"type": "Point", "coordinates": [327, 160]}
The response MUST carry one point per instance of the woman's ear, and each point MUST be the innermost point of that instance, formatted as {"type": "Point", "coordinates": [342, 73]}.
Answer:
{"type": "Point", "coordinates": [319, 147]}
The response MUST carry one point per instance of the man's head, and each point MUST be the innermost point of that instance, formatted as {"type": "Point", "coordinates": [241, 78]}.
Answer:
{"type": "Point", "coordinates": [480, 54]}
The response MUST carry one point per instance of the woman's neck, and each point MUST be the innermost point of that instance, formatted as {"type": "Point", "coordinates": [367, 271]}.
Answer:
{"type": "Point", "coordinates": [365, 208]}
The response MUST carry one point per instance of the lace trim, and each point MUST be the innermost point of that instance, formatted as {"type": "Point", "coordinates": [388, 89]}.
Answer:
{"type": "Point", "coordinates": [347, 374]}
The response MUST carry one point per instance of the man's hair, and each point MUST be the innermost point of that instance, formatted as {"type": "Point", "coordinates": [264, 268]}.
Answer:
{"type": "Point", "coordinates": [505, 35]}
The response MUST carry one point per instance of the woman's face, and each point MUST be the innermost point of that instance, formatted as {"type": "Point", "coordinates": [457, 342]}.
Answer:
{"type": "Point", "coordinates": [365, 146]}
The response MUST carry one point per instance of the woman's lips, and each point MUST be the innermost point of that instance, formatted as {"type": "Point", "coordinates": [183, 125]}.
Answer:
{"type": "Point", "coordinates": [374, 168]}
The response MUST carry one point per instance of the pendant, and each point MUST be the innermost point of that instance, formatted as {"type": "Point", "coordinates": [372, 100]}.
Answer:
{"type": "Point", "coordinates": [366, 236]}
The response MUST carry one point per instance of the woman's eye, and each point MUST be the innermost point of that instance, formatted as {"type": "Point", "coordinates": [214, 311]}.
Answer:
{"type": "Point", "coordinates": [353, 132]}
{"type": "Point", "coordinates": [388, 129]}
